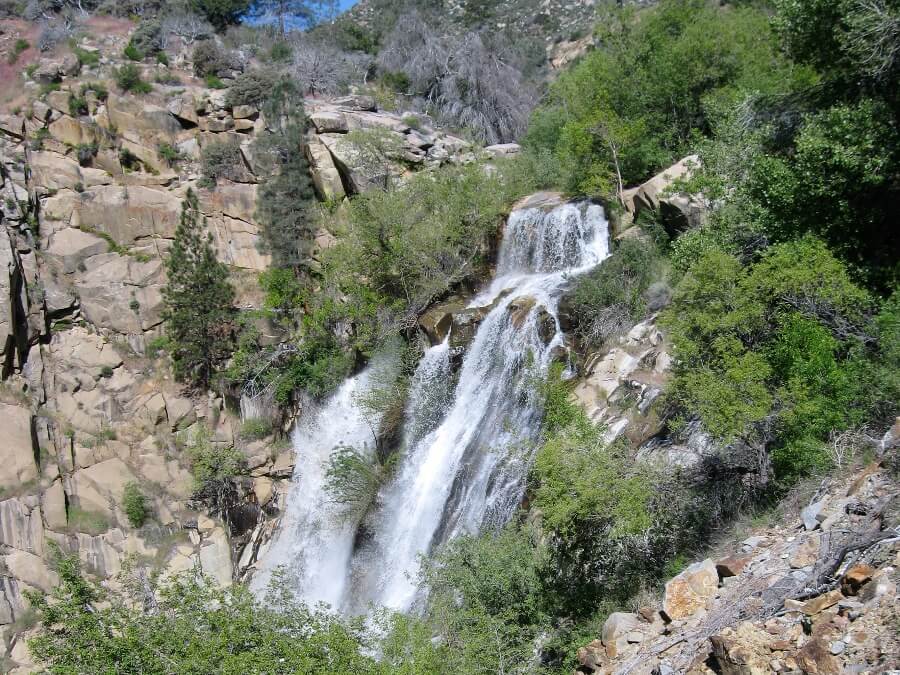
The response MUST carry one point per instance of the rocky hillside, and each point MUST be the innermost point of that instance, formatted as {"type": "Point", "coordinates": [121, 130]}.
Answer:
{"type": "Point", "coordinates": [91, 198]}
{"type": "Point", "coordinates": [815, 592]}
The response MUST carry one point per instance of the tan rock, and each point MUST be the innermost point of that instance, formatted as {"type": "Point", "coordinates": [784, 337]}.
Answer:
{"type": "Point", "coordinates": [822, 602]}
{"type": "Point", "coordinates": [742, 651]}
{"type": "Point", "coordinates": [691, 590]}
{"type": "Point", "coordinates": [855, 578]}
{"type": "Point", "coordinates": [215, 557]}
{"type": "Point", "coordinates": [128, 213]}
{"type": "Point", "coordinates": [616, 630]}
{"type": "Point", "coordinates": [17, 451]}
{"type": "Point", "coordinates": [235, 200]}
{"type": "Point", "coordinates": [244, 112]}
{"type": "Point", "coordinates": [72, 131]}
{"type": "Point", "coordinates": [54, 172]}
{"type": "Point", "coordinates": [262, 488]}
{"type": "Point", "coordinates": [325, 175]}
{"type": "Point", "coordinates": [31, 569]}
{"type": "Point", "coordinates": [731, 566]}
{"type": "Point", "coordinates": [73, 246]}
{"type": "Point", "coordinates": [814, 658]}
{"type": "Point", "coordinates": [53, 506]}
{"type": "Point", "coordinates": [123, 293]}
{"type": "Point", "coordinates": [329, 121]}
{"type": "Point", "coordinates": [100, 488]}
{"type": "Point", "coordinates": [806, 553]}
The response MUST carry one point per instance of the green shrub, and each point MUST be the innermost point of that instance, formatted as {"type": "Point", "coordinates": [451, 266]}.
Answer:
{"type": "Point", "coordinates": [209, 59]}
{"type": "Point", "coordinates": [129, 160]}
{"type": "Point", "coordinates": [220, 160]}
{"type": "Point", "coordinates": [398, 81]}
{"type": "Point", "coordinates": [147, 39]}
{"type": "Point", "coordinates": [128, 78]}
{"type": "Point", "coordinates": [169, 154]}
{"type": "Point", "coordinates": [199, 627]}
{"type": "Point", "coordinates": [612, 297]}
{"type": "Point", "coordinates": [19, 46]}
{"type": "Point", "coordinates": [251, 88]}
{"type": "Point", "coordinates": [132, 53]}
{"type": "Point", "coordinates": [86, 153]}
{"type": "Point", "coordinates": [281, 51]}
{"type": "Point", "coordinates": [212, 464]}
{"type": "Point", "coordinates": [85, 57]}
{"type": "Point", "coordinates": [214, 82]}
{"type": "Point", "coordinates": [162, 59]}
{"type": "Point", "coordinates": [100, 90]}
{"type": "Point", "coordinates": [255, 428]}
{"type": "Point", "coordinates": [135, 504]}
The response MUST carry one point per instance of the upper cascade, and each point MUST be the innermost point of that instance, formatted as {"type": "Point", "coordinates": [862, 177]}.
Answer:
{"type": "Point", "coordinates": [467, 452]}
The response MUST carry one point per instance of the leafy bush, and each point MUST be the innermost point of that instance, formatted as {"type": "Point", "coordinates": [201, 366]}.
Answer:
{"type": "Point", "coordinates": [209, 59]}
{"type": "Point", "coordinates": [251, 88]}
{"type": "Point", "coordinates": [19, 46]}
{"type": "Point", "coordinates": [220, 160]}
{"type": "Point", "coordinates": [128, 77]}
{"type": "Point", "coordinates": [128, 159]}
{"type": "Point", "coordinates": [86, 153]}
{"type": "Point", "coordinates": [214, 82]}
{"type": "Point", "coordinates": [222, 13]}
{"type": "Point", "coordinates": [195, 626]}
{"type": "Point", "coordinates": [254, 428]}
{"type": "Point", "coordinates": [85, 57]}
{"type": "Point", "coordinates": [100, 90]}
{"type": "Point", "coordinates": [684, 53]}
{"type": "Point", "coordinates": [169, 153]}
{"type": "Point", "coordinates": [77, 105]}
{"type": "Point", "coordinates": [147, 39]}
{"type": "Point", "coordinates": [135, 504]}
{"type": "Point", "coordinates": [212, 463]}
{"type": "Point", "coordinates": [782, 340]}
{"type": "Point", "coordinates": [132, 53]}
{"type": "Point", "coordinates": [613, 297]}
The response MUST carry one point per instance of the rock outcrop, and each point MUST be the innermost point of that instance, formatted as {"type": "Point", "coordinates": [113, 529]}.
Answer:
{"type": "Point", "coordinates": [784, 600]}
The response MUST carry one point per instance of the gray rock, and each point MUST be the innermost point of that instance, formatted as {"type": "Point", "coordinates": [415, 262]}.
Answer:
{"type": "Point", "coordinates": [810, 515]}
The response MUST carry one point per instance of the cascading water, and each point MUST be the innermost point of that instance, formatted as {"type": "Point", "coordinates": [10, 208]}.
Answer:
{"type": "Point", "coordinates": [466, 454]}
{"type": "Point", "coordinates": [315, 538]}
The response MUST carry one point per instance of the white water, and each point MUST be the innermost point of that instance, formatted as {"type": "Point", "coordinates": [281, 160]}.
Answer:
{"type": "Point", "coordinates": [315, 540]}
{"type": "Point", "coordinates": [466, 455]}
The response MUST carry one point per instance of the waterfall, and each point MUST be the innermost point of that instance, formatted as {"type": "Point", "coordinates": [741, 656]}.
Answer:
{"type": "Point", "coordinates": [467, 452]}
{"type": "Point", "coordinates": [315, 539]}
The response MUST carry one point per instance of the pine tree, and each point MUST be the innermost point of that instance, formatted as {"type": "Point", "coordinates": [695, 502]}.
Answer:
{"type": "Point", "coordinates": [198, 300]}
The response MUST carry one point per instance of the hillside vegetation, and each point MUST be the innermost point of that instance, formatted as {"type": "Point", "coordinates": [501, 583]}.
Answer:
{"type": "Point", "coordinates": [782, 310]}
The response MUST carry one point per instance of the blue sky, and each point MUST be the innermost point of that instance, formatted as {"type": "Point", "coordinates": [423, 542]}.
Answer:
{"type": "Point", "coordinates": [343, 5]}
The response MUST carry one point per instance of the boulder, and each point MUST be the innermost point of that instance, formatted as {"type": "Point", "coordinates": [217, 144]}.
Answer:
{"type": "Point", "coordinates": [17, 451]}
{"type": "Point", "coordinates": [503, 150]}
{"type": "Point", "coordinates": [71, 131]}
{"type": "Point", "coordinates": [326, 177]}
{"type": "Point", "coordinates": [437, 320]}
{"type": "Point", "coordinates": [244, 112]}
{"type": "Point", "coordinates": [691, 590]}
{"type": "Point", "coordinates": [122, 293]}
{"type": "Point", "coordinates": [100, 488]}
{"type": "Point", "coordinates": [236, 243]}
{"type": "Point", "coordinates": [20, 524]}
{"type": "Point", "coordinates": [10, 276]}
{"type": "Point", "coordinates": [135, 118]}
{"type": "Point", "coordinates": [855, 578]}
{"type": "Point", "coordinates": [806, 552]}
{"type": "Point", "coordinates": [215, 557]}
{"type": "Point", "coordinates": [679, 211]}
{"type": "Point", "coordinates": [616, 630]}
{"type": "Point", "coordinates": [742, 651]}
{"type": "Point", "coordinates": [731, 566]}
{"type": "Point", "coordinates": [360, 174]}
{"type": "Point", "coordinates": [53, 506]}
{"type": "Point", "coordinates": [184, 108]}
{"type": "Point", "coordinates": [235, 200]}
{"type": "Point", "coordinates": [72, 247]}
{"type": "Point", "coordinates": [329, 121]}
{"type": "Point", "coordinates": [356, 102]}
{"type": "Point", "coordinates": [54, 172]}
{"type": "Point", "coordinates": [31, 569]}
{"type": "Point", "coordinates": [128, 213]}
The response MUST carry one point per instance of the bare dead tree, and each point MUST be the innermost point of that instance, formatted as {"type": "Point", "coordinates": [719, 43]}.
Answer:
{"type": "Point", "coordinates": [323, 69]}
{"type": "Point", "coordinates": [187, 25]}
{"type": "Point", "coordinates": [873, 36]}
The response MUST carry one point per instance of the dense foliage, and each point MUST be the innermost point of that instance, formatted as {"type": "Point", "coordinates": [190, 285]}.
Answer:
{"type": "Point", "coordinates": [640, 100]}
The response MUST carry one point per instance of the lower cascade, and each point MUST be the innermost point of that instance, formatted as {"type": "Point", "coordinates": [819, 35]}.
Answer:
{"type": "Point", "coordinates": [466, 450]}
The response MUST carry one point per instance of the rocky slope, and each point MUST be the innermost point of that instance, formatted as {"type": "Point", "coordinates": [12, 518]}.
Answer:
{"type": "Point", "coordinates": [88, 209]}
{"type": "Point", "coordinates": [814, 593]}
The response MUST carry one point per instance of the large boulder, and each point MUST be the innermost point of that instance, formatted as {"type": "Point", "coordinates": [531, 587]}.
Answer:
{"type": "Point", "coordinates": [17, 449]}
{"type": "Point", "coordinates": [236, 242]}
{"type": "Point", "coordinates": [122, 293]}
{"type": "Point", "coordinates": [326, 177]}
{"type": "Point", "coordinates": [127, 214]}
{"type": "Point", "coordinates": [54, 172]}
{"type": "Point", "coordinates": [72, 247]}
{"type": "Point", "coordinates": [678, 211]}
{"type": "Point", "coordinates": [71, 131]}
{"type": "Point", "coordinates": [691, 590]}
